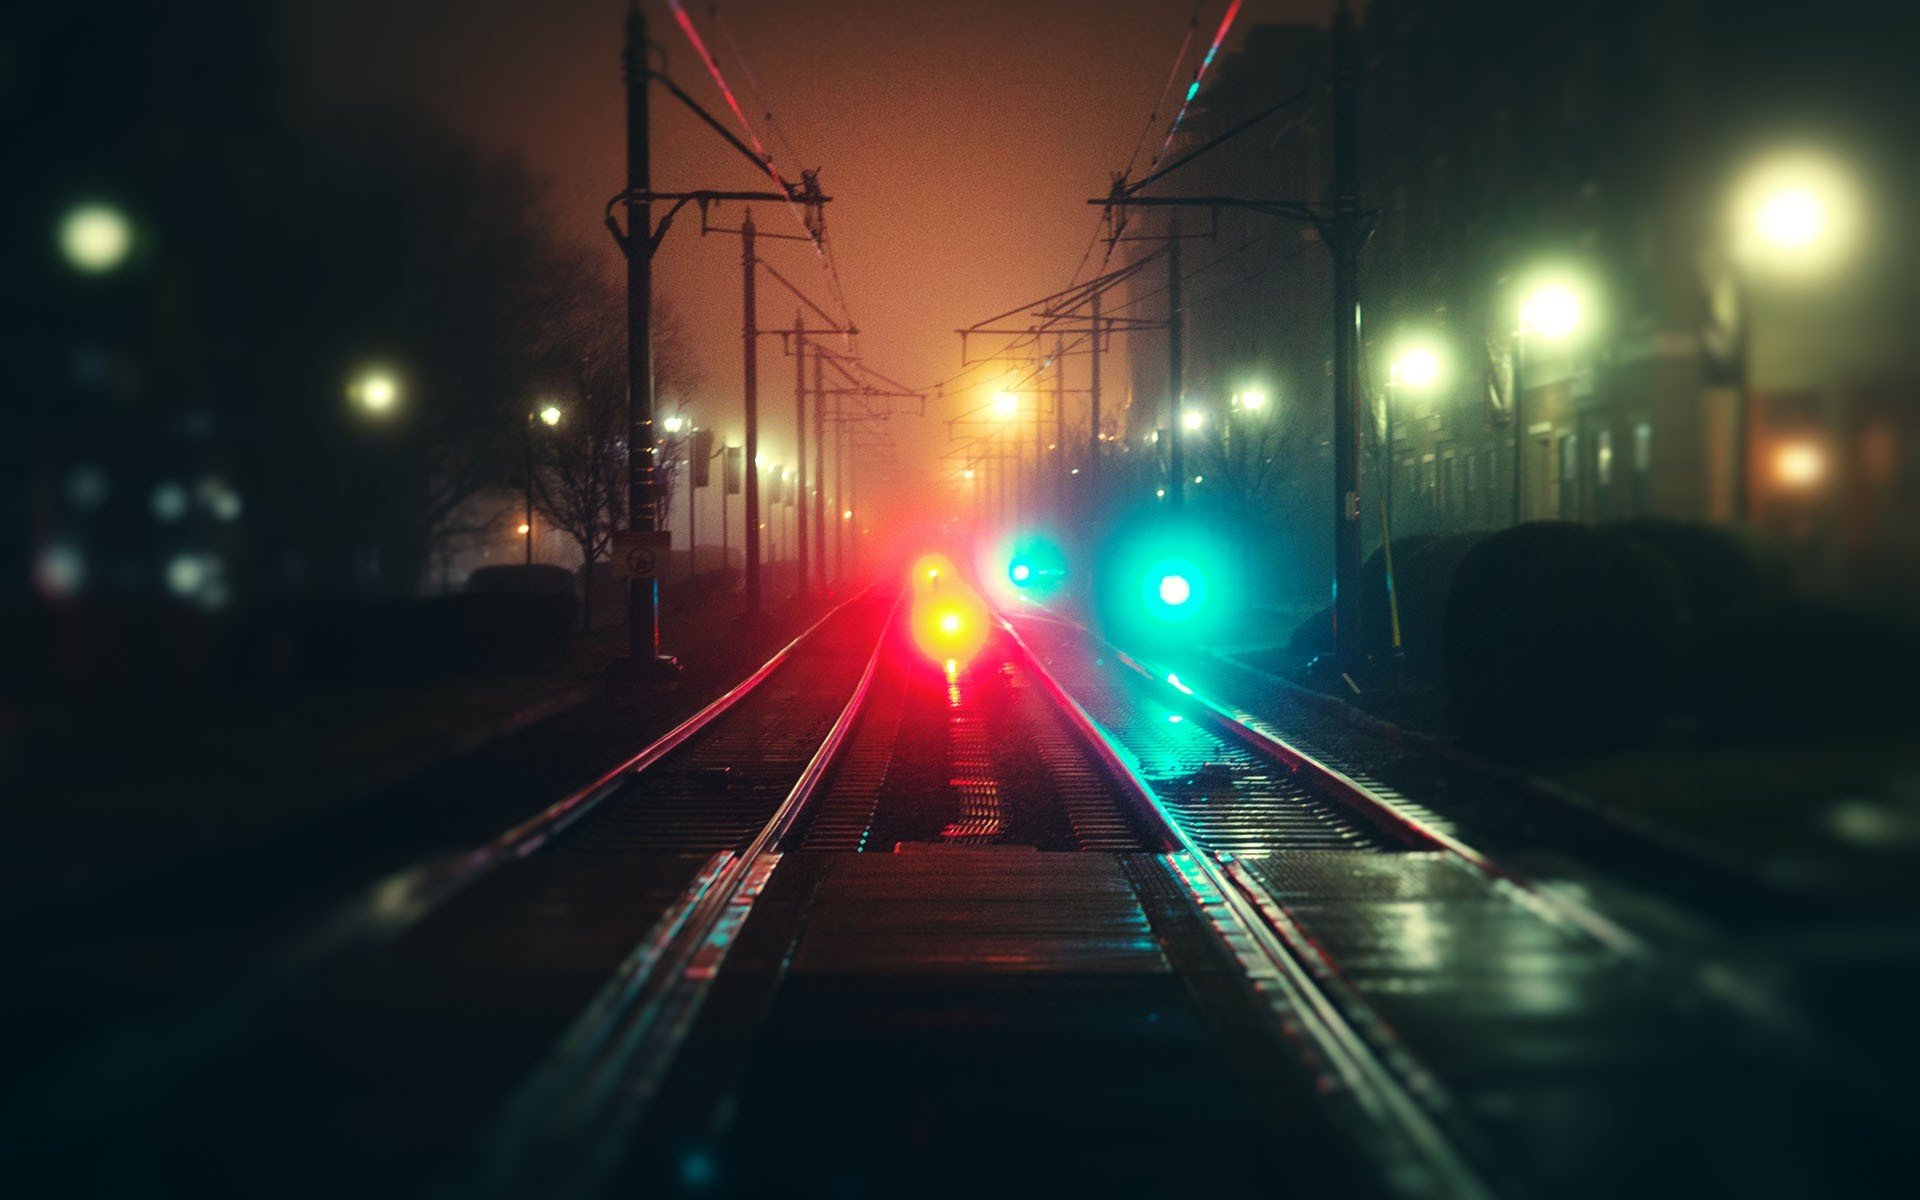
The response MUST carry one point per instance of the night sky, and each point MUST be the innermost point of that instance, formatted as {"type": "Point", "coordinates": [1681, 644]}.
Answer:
{"type": "Point", "coordinates": [959, 141]}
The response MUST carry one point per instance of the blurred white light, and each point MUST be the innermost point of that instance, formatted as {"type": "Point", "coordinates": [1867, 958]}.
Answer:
{"type": "Point", "coordinates": [1005, 404]}
{"type": "Point", "coordinates": [59, 571]}
{"type": "Point", "coordinates": [550, 415]}
{"type": "Point", "coordinates": [1795, 213]}
{"type": "Point", "coordinates": [186, 574]}
{"type": "Point", "coordinates": [1193, 420]}
{"type": "Point", "coordinates": [169, 502]}
{"type": "Point", "coordinates": [1175, 590]}
{"type": "Point", "coordinates": [1417, 368]}
{"type": "Point", "coordinates": [1552, 311]}
{"type": "Point", "coordinates": [1253, 400]}
{"type": "Point", "coordinates": [674, 423]}
{"type": "Point", "coordinates": [376, 391]}
{"type": "Point", "coordinates": [95, 238]}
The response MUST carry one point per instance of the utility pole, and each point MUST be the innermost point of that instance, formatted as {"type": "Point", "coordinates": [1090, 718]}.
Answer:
{"type": "Point", "coordinates": [819, 469]}
{"type": "Point", "coordinates": [839, 489]}
{"type": "Point", "coordinates": [1092, 489]}
{"type": "Point", "coordinates": [750, 337]}
{"type": "Point", "coordinates": [643, 595]}
{"type": "Point", "coordinates": [1036, 486]}
{"type": "Point", "coordinates": [1060, 429]}
{"type": "Point", "coordinates": [1346, 229]}
{"type": "Point", "coordinates": [1176, 368]}
{"type": "Point", "coordinates": [800, 454]}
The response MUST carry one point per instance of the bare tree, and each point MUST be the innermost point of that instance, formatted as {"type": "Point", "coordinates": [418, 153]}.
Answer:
{"type": "Point", "coordinates": [580, 481]}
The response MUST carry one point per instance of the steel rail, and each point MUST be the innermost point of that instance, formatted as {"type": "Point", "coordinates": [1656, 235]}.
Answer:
{"type": "Point", "coordinates": [374, 915]}
{"type": "Point", "coordinates": [564, 1130]}
{"type": "Point", "coordinates": [1343, 789]}
{"type": "Point", "coordinates": [1428, 1160]}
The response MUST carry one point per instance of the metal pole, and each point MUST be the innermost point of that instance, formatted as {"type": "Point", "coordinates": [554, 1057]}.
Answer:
{"type": "Point", "coordinates": [1176, 369]}
{"type": "Point", "coordinates": [819, 467]}
{"type": "Point", "coordinates": [1093, 425]}
{"type": "Point", "coordinates": [1060, 429]}
{"type": "Point", "coordinates": [1519, 423]}
{"type": "Point", "coordinates": [839, 488]}
{"type": "Point", "coordinates": [1743, 402]}
{"type": "Point", "coordinates": [1346, 235]}
{"type": "Point", "coordinates": [529, 441]}
{"type": "Point", "coordinates": [1039, 443]}
{"type": "Point", "coordinates": [643, 595]}
{"type": "Point", "coordinates": [800, 454]}
{"type": "Point", "coordinates": [1387, 471]}
{"type": "Point", "coordinates": [750, 337]}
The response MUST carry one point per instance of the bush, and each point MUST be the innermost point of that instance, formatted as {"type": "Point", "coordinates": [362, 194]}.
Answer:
{"type": "Point", "coordinates": [533, 579]}
{"type": "Point", "coordinates": [1797, 667]}
{"type": "Point", "coordinates": [1560, 636]}
{"type": "Point", "coordinates": [307, 644]}
{"type": "Point", "coordinates": [1722, 570]}
{"type": "Point", "coordinates": [1423, 568]}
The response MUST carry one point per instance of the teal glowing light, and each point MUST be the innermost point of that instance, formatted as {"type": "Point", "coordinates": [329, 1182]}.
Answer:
{"type": "Point", "coordinates": [1021, 571]}
{"type": "Point", "coordinates": [1176, 590]}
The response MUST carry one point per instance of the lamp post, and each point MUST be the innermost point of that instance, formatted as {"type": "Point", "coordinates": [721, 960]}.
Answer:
{"type": "Point", "coordinates": [673, 424]}
{"type": "Point", "coordinates": [1552, 310]}
{"type": "Point", "coordinates": [1794, 219]}
{"type": "Point", "coordinates": [548, 415]}
{"type": "Point", "coordinates": [1416, 368]}
{"type": "Point", "coordinates": [1252, 402]}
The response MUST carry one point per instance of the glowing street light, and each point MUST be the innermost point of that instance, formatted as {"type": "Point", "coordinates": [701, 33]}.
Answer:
{"type": "Point", "coordinates": [95, 238]}
{"type": "Point", "coordinates": [1251, 400]}
{"type": "Point", "coordinates": [1795, 217]}
{"type": "Point", "coordinates": [1552, 309]}
{"type": "Point", "coordinates": [1006, 405]}
{"type": "Point", "coordinates": [1800, 465]}
{"type": "Point", "coordinates": [547, 414]}
{"type": "Point", "coordinates": [1794, 213]}
{"type": "Point", "coordinates": [1416, 368]}
{"type": "Point", "coordinates": [523, 529]}
{"type": "Point", "coordinates": [673, 424]}
{"type": "Point", "coordinates": [1193, 420]}
{"type": "Point", "coordinates": [376, 391]}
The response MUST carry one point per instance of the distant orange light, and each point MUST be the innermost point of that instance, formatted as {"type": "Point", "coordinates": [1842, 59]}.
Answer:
{"type": "Point", "coordinates": [524, 529]}
{"type": "Point", "coordinates": [1800, 465]}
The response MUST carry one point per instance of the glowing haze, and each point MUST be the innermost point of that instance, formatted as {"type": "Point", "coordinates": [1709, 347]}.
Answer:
{"type": "Point", "coordinates": [959, 141]}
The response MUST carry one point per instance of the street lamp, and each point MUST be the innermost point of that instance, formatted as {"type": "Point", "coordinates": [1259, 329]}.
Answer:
{"type": "Point", "coordinates": [1006, 405]}
{"type": "Point", "coordinates": [1552, 309]}
{"type": "Point", "coordinates": [1794, 217]}
{"type": "Point", "coordinates": [1416, 367]}
{"type": "Point", "coordinates": [1193, 420]}
{"type": "Point", "coordinates": [376, 391]}
{"type": "Point", "coordinates": [94, 238]}
{"type": "Point", "coordinates": [674, 424]}
{"type": "Point", "coordinates": [549, 415]}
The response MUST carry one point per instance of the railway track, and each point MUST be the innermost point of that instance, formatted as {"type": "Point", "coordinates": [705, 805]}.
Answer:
{"type": "Point", "coordinates": [1491, 991]}
{"type": "Point", "coordinates": [1022, 768]}
{"type": "Point", "coordinates": [878, 923]}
